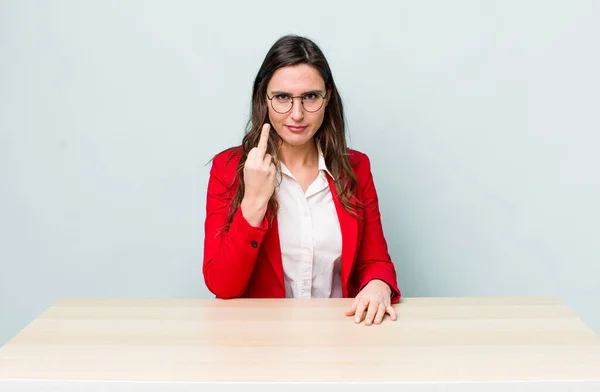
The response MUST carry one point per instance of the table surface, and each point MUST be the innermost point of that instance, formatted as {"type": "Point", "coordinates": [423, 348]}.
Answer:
{"type": "Point", "coordinates": [296, 340]}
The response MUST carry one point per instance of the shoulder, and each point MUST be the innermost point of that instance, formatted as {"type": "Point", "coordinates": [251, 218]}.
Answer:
{"type": "Point", "coordinates": [227, 160]}
{"type": "Point", "coordinates": [360, 162]}
{"type": "Point", "coordinates": [225, 164]}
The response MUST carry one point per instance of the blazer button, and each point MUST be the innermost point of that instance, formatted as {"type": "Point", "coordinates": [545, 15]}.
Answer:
{"type": "Point", "coordinates": [254, 244]}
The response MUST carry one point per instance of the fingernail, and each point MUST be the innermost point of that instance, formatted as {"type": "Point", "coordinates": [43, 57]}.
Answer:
{"type": "Point", "coordinates": [357, 320]}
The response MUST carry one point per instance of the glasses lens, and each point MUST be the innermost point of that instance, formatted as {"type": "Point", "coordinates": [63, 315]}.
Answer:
{"type": "Point", "coordinates": [312, 102]}
{"type": "Point", "coordinates": [281, 103]}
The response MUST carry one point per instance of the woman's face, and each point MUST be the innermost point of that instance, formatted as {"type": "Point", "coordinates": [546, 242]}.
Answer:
{"type": "Point", "coordinates": [297, 126]}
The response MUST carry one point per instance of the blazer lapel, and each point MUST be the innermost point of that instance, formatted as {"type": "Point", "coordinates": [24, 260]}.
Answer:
{"type": "Point", "coordinates": [349, 228]}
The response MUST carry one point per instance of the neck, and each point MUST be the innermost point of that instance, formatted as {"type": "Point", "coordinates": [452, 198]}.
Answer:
{"type": "Point", "coordinates": [306, 155]}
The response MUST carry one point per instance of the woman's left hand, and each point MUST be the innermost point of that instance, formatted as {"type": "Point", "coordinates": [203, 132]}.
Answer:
{"type": "Point", "coordinates": [375, 299]}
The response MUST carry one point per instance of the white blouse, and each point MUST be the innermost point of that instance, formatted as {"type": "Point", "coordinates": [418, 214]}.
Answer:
{"type": "Point", "coordinates": [310, 236]}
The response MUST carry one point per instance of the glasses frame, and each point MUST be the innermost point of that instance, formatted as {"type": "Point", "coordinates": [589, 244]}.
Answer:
{"type": "Point", "coordinates": [323, 96]}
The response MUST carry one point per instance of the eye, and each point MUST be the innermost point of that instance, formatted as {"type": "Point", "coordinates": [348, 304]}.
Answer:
{"type": "Point", "coordinates": [311, 97]}
{"type": "Point", "coordinates": [282, 97]}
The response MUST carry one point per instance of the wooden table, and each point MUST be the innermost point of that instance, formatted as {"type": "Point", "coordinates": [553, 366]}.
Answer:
{"type": "Point", "coordinates": [437, 344]}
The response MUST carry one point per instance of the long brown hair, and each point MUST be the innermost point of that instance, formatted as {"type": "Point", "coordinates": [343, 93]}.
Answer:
{"type": "Point", "coordinates": [293, 50]}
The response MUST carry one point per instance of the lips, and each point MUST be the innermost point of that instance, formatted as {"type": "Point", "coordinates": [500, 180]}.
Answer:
{"type": "Point", "coordinates": [294, 128]}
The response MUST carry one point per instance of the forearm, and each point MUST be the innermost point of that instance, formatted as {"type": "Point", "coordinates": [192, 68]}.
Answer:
{"type": "Point", "coordinates": [253, 210]}
{"type": "Point", "coordinates": [230, 257]}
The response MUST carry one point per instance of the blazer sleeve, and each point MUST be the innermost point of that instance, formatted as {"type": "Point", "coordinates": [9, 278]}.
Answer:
{"type": "Point", "coordinates": [229, 256]}
{"type": "Point", "coordinates": [373, 260]}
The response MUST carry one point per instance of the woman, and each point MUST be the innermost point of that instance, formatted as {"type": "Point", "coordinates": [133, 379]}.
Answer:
{"type": "Point", "coordinates": [293, 212]}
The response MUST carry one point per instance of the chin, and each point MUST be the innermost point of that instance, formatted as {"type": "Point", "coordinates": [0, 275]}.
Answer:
{"type": "Point", "coordinates": [297, 140]}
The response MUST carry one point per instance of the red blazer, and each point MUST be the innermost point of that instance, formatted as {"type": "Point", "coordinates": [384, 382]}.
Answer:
{"type": "Point", "coordinates": [246, 261]}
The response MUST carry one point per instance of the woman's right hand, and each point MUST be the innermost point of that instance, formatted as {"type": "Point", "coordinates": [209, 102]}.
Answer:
{"type": "Point", "coordinates": [259, 180]}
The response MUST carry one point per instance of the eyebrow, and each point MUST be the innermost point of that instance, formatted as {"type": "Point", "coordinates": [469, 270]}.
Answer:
{"type": "Point", "coordinates": [305, 93]}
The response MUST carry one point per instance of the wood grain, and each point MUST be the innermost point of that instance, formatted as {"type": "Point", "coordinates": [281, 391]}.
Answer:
{"type": "Point", "coordinates": [285, 340]}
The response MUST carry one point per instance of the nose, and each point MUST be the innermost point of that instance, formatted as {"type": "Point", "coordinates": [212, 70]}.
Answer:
{"type": "Point", "coordinates": [297, 109]}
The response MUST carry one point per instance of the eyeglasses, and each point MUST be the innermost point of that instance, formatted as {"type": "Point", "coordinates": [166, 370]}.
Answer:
{"type": "Point", "coordinates": [283, 103]}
